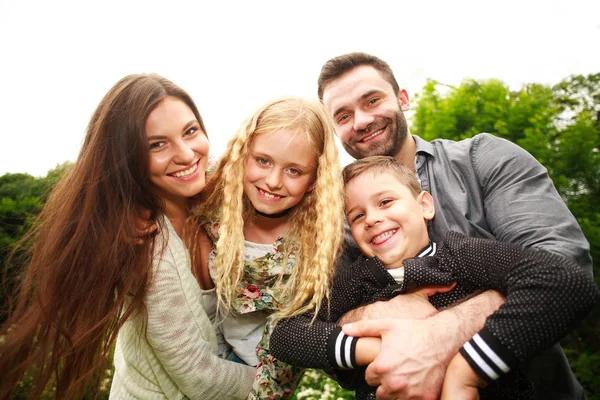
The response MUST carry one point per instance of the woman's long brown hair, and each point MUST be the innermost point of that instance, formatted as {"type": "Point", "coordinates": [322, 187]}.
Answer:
{"type": "Point", "coordinates": [83, 262]}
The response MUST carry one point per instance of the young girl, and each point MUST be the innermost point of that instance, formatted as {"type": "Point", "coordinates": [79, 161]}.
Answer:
{"type": "Point", "coordinates": [274, 209]}
{"type": "Point", "coordinates": [88, 280]}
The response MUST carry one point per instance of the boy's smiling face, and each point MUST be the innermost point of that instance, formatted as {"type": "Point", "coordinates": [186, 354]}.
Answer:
{"type": "Point", "coordinates": [386, 219]}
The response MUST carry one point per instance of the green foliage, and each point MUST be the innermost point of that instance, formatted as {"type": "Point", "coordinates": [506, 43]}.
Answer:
{"type": "Point", "coordinates": [560, 126]}
{"type": "Point", "coordinates": [317, 386]}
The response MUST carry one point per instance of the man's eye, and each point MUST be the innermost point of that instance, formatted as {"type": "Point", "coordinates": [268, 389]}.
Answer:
{"type": "Point", "coordinates": [342, 118]}
{"type": "Point", "coordinates": [373, 101]}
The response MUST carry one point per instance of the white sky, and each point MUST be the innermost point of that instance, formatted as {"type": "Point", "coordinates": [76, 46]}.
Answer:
{"type": "Point", "coordinates": [58, 58]}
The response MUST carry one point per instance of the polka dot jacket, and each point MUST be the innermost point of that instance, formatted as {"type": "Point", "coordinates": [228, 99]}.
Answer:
{"type": "Point", "coordinates": [546, 296]}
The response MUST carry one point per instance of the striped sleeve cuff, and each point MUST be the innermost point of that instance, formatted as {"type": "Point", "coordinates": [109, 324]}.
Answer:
{"type": "Point", "coordinates": [341, 349]}
{"type": "Point", "coordinates": [489, 358]}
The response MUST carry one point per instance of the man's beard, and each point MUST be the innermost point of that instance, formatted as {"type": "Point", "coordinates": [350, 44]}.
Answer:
{"type": "Point", "coordinates": [398, 132]}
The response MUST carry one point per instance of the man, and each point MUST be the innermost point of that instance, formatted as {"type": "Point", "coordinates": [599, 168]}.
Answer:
{"type": "Point", "coordinates": [486, 187]}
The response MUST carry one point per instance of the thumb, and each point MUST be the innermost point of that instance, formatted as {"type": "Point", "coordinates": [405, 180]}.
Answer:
{"type": "Point", "coordinates": [371, 327]}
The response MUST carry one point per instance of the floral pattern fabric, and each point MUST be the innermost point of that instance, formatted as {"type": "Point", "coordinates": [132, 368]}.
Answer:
{"type": "Point", "coordinates": [262, 288]}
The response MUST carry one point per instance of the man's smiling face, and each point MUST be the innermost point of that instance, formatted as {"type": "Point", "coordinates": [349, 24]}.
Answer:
{"type": "Point", "coordinates": [367, 114]}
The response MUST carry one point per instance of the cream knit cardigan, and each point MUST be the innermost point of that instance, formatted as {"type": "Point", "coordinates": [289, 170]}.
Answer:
{"type": "Point", "coordinates": [177, 357]}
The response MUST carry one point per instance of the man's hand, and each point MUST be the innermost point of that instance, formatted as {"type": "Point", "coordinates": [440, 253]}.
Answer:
{"type": "Point", "coordinates": [415, 353]}
{"type": "Point", "coordinates": [413, 357]}
{"type": "Point", "coordinates": [461, 382]}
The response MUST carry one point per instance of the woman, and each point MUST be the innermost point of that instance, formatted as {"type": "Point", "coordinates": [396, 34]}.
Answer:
{"type": "Point", "coordinates": [87, 281]}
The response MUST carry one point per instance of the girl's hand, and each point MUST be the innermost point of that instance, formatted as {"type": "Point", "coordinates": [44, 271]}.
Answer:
{"type": "Point", "coordinates": [461, 382]}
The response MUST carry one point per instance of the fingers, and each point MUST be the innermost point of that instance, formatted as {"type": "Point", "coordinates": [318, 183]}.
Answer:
{"type": "Point", "coordinates": [374, 327]}
{"type": "Point", "coordinates": [149, 230]}
{"type": "Point", "coordinates": [431, 290]}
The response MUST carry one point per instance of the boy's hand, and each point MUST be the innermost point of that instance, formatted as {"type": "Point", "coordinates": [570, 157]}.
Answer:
{"type": "Point", "coordinates": [367, 349]}
{"type": "Point", "coordinates": [461, 382]}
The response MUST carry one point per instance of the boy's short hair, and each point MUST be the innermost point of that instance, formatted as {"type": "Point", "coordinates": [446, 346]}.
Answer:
{"type": "Point", "coordinates": [382, 164]}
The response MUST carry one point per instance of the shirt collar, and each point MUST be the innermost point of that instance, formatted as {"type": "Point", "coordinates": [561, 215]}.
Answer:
{"type": "Point", "coordinates": [423, 146]}
{"type": "Point", "coordinates": [428, 250]}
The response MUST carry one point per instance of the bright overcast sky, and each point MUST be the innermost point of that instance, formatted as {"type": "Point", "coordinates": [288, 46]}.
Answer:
{"type": "Point", "coordinates": [58, 58]}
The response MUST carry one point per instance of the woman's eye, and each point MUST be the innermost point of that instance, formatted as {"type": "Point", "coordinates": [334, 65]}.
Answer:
{"type": "Point", "coordinates": [191, 131]}
{"type": "Point", "coordinates": [156, 145]}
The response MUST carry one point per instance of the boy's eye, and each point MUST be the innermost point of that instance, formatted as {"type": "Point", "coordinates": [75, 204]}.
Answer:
{"type": "Point", "coordinates": [356, 217]}
{"type": "Point", "coordinates": [385, 202]}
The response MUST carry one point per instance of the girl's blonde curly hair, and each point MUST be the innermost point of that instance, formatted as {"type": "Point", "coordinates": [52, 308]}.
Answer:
{"type": "Point", "coordinates": [316, 223]}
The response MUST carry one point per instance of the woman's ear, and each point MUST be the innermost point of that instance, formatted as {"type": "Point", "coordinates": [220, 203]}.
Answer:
{"type": "Point", "coordinates": [426, 202]}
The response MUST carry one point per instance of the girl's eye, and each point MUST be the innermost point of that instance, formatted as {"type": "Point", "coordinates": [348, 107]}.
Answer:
{"type": "Point", "coordinates": [262, 161]}
{"type": "Point", "coordinates": [156, 145]}
{"type": "Point", "coordinates": [294, 171]}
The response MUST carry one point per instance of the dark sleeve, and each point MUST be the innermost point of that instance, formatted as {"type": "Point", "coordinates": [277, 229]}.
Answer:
{"type": "Point", "coordinates": [302, 342]}
{"type": "Point", "coordinates": [546, 296]}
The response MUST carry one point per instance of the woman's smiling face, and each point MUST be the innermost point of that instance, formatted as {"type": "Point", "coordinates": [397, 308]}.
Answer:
{"type": "Point", "coordinates": [178, 150]}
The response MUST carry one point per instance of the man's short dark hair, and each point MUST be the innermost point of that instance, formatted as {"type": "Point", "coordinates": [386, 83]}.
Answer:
{"type": "Point", "coordinates": [338, 66]}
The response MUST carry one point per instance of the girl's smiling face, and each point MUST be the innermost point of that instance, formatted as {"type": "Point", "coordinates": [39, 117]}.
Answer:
{"type": "Point", "coordinates": [280, 170]}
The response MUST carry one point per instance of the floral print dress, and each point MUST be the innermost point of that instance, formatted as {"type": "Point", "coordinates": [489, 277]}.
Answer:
{"type": "Point", "coordinates": [261, 289]}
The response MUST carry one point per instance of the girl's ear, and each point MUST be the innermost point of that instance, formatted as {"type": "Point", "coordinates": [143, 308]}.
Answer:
{"type": "Point", "coordinates": [312, 185]}
{"type": "Point", "coordinates": [426, 202]}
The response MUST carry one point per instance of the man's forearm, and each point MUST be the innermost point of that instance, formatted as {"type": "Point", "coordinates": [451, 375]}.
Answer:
{"type": "Point", "coordinates": [465, 319]}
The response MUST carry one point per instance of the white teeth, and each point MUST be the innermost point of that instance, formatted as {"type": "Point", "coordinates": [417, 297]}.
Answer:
{"type": "Point", "coordinates": [268, 195]}
{"type": "Point", "coordinates": [187, 172]}
{"type": "Point", "coordinates": [376, 133]}
{"type": "Point", "coordinates": [381, 237]}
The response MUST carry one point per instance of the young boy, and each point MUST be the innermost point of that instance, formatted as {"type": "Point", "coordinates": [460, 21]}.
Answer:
{"type": "Point", "coordinates": [387, 212]}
